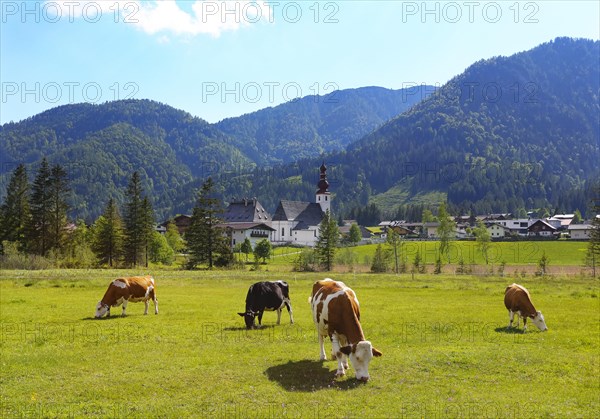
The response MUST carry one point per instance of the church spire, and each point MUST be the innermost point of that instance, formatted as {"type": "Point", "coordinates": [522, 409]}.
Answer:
{"type": "Point", "coordinates": [323, 185]}
{"type": "Point", "coordinates": [323, 196]}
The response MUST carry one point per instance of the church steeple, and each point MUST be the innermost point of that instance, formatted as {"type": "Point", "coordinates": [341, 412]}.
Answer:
{"type": "Point", "coordinates": [323, 196]}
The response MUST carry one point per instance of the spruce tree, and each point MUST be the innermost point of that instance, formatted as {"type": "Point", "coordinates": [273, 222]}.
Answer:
{"type": "Point", "coordinates": [328, 239]}
{"type": "Point", "coordinates": [108, 235]}
{"type": "Point", "coordinates": [138, 220]}
{"type": "Point", "coordinates": [15, 214]}
{"type": "Point", "coordinates": [207, 242]}
{"type": "Point", "coordinates": [59, 190]}
{"type": "Point", "coordinates": [39, 230]}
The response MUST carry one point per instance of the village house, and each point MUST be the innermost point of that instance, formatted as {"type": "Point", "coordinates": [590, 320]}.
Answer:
{"type": "Point", "coordinates": [516, 227]}
{"type": "Point", "coordinates": [247, 218]}
{"type": "Point", "coordinates": [580, 231]}
{"type": "Point", "coordinates": [541, 228]}
{"type": "Point", "coordinates": [496, 230]}
{"type": "Point", "coordinates": [182, 222]}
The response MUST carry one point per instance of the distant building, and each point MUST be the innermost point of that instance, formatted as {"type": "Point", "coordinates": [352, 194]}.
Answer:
{"type": "Point", "coordinates": [182, 222]}
{"type": "Point", "coordinates": [297, 222]}
{"type": "Point", "coordinates": [247, 218]}
{"type": "Point", "coordinates": [580, 231]}
{"type": "Point", "coordinates": [496, 230]}
{"type": "Point", "coordinates": [517, 226]}
{"type": "Point", "coordinates": [541, 228]}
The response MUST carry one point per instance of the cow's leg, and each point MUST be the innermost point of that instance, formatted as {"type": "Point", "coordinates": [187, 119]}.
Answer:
{"type": "Point", "coordinates": [511, 316]}
{"type": "Point", "coordinates": [279, 315]}
{"type": "Point", "coordinates": [322, 356]}
{"type": "Point", "coordinates": [124, 308]}
{"type": "Point", "coordinates": [289, 307]}
{"type": "Point", "coordinates": [343, 342]}
{"type": "Point", "coordinates": [146, 304]}
{"type": "Point", "coordinates": [155, 305]}
{"type": "Point", "coordinates": [260, 314]}
{"type": "Point", "coordinates": [524, 324]}
{"type": "Point", "coordinates": [335, 345]}
{"type": "Point", "coordinates": [108, 312]}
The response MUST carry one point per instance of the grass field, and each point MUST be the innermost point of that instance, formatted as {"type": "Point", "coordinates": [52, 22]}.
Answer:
{"type": "Point", "coordinates": [446, 350]}
{"type": "Point", "coordinates": [563, 256]}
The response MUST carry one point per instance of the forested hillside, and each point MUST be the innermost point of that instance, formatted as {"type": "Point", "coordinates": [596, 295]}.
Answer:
{"type": "Point", "coordinates": [313, 125]}
{"type": "Point", "coordinates": [508, 134]}
{"type": "Point", "coordinates": [100, 146]}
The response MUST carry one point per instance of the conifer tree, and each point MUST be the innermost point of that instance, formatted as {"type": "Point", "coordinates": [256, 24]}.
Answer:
{"type": "Point", "coordinates": [107, 242]}
{"type": "Point", "coordinates": [207, 242]}
{"type": "Point", "coordinates": [15, 214]}
{"type": "Point", "coordinates": [59, 190]}
{"type": "Point", "coordinates": [328, 239]}
{"type": "Point", "coordinates": [138, 220]}
{"type": "Point", "coordinates": [39, 230]}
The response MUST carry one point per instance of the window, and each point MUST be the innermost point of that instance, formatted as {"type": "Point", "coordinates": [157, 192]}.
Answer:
{"type": "Point", "coordinates": [282, 231]}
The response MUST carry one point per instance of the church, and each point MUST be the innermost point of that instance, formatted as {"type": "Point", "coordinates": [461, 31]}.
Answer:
{"type": "Point", "coordinates": [297, 222]}
{"type": "Point", "coordinates": [294, 222]}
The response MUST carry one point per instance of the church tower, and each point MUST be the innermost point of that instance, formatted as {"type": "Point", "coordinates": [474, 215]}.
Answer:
{"type": "Point", "coordinates": [323, 196]}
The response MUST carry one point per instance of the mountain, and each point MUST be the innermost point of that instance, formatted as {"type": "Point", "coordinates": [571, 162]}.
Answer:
{"type": "Point", "coordinates": [314, 125]}
{"type": "Point", "coordinates": [508, 134]}
{"type": "Point", "coordinates": [100, 146]}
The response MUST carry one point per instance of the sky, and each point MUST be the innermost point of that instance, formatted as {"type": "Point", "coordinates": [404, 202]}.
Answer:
{"type": "Point", "coordinates": [220, 59]}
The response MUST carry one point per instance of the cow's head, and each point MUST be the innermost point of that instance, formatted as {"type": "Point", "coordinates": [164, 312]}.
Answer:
{"type": "Point", "coordinates": [101, 309]}
{"type": "Point", "coordinates": [360, 355]}
{"type": "Point", "coordinates": [539, 321]}
{"type": "Point", "coordinates": [249, 318]}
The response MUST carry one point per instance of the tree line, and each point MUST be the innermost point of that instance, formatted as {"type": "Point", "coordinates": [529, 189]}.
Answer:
{"type": "Point", "coordinates": [35, 230]}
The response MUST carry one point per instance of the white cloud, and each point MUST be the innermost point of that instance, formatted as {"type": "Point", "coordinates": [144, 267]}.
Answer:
{"type": "Point", "coordinates": [166, 16]}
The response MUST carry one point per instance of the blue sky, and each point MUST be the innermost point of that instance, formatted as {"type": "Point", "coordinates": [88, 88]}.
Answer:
{"type": "Point", "coordinates": [219, 59]}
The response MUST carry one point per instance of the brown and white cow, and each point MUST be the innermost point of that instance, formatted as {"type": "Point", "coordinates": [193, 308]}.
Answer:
{"type": "Point", "coordinates": [122, 290]}
{"type": "Point", "coordinates": [336, 314]}
{"type": "Point", "coordinates": [517, 300]}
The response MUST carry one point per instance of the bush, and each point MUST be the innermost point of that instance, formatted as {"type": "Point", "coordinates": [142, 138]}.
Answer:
{"type": "Point", "coordinates": [306, 261]}
{"type": "Point", "coordinates": [14, 259]}
{"type": "Point", "coordinates": [380, 260]}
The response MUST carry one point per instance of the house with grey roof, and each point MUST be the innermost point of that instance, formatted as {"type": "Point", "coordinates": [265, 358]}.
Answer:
{"type": "Point", "coordinates": [580, 231]}
{"type": "Point", "coordinates": [298, 222]}
{"type": "Point", "coordinates": [247, 218]}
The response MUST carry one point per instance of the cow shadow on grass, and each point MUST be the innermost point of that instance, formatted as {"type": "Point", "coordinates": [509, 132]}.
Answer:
{"type": "Point", "coordinates": [243, 328]}
{"type": "Point", "coordinates": [509, 331]}
{"type": "Point", "coordinates": [308, 376]}
{"type": "Point", "coordinates": [104, 318]}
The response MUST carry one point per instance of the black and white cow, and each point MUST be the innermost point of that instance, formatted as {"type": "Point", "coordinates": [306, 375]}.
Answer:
{"type": "Point", "coordinates": [270, 296]}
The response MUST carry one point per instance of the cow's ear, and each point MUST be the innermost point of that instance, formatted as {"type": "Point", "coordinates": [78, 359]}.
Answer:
{"type": "Point", "coordinates": [346, 350]}
{"type": "Point", "coordinates": [242, 314]}
{"type": "Point", "coordinates": [376, 352]}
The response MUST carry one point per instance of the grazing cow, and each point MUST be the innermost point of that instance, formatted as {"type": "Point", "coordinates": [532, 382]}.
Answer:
{"type": "Point", "coordinates": [336, 314]}
{"type": "Point", "coordinates": [517, 300]}
{"type": "Point", "coordinates": [123, 290]}
{"type": "Point", "coordinates": [270, 296]}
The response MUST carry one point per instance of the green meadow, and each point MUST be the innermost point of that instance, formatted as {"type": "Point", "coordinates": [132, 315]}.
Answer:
{"type": "Point", "coordinates": [446, 349]}
{"type": "Point", "coordinates": [563, 256]}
